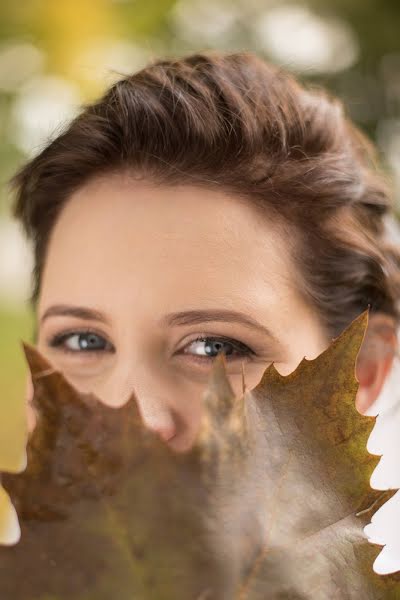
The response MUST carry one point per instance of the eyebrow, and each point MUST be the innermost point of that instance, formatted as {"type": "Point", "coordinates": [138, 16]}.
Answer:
{"type": "Point", "coordinates": [174, 319]}
{"type": "Point", "coordinates": [194, 317]}
{"type": "Point", "coordinates": [74, 311]}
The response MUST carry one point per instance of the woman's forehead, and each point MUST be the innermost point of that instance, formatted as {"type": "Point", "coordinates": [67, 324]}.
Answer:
{"type": "Point", "coordinates": [165, 236]}
{"type": "Point", "coordinates": [140, 204]}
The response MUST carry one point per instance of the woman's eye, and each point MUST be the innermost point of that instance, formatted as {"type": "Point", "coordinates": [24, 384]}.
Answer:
{"type": "Point", "coordinates": [203, 348]}
{"type": "Point", "coordinates": [80, 341]}
{"type": "Point", "coordinates": [207, 348]}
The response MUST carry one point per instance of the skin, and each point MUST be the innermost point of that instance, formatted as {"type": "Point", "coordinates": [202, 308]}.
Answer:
{"type": "Point", "coordinates": [134, 252]}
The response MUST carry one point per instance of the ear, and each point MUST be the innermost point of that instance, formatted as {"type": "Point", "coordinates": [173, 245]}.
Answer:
{"type": "Point", "coordinates": [375, 359]}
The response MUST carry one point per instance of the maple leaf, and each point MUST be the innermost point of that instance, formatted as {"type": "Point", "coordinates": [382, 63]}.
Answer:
{"type": "Point", "coordinates": [269, 503]}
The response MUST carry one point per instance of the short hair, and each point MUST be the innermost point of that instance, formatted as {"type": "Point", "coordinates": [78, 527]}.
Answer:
{"type": "Point", "coordinates": [232, 121]}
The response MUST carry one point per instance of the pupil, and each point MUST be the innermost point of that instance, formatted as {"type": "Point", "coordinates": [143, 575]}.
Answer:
{"type": "Point", "coordinates": [88, 341]}
{"type": "Point", "coordinates": [215, 346]}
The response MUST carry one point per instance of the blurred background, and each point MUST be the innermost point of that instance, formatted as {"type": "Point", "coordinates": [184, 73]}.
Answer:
{"type": "Point", "coordinates": [55, 55]}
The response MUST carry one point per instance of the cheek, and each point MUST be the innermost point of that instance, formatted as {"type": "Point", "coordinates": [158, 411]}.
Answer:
{"type": "Point", "coordinates": [30, 413]}
{"type": "Point", "coordinates": [31, 418]}
{"type": "Point", "coordinates": [28, 389]}
{"type": "Point", "coordinates": [86, 374]}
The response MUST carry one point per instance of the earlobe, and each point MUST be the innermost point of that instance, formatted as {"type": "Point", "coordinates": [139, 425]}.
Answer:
{"type": "Point", "coordinates": [370, 385]}
{"type": "Point", "coordinates": [371, 374]}
{"type": "Point", "coordinates": [375, 359]}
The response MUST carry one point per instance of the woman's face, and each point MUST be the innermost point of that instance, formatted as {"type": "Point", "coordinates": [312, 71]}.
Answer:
{"type": "Point", "coordinates": [135, 273]}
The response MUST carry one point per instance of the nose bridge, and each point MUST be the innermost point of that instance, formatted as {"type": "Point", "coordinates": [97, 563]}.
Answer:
{"type": "Point", "coordinates": [153, 399]}
{"type": "Point", "coordinates": [125, 380]}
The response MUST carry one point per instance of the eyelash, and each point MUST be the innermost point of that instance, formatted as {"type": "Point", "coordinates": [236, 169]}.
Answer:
{"type": "Point", "coordinates": [243, 350]}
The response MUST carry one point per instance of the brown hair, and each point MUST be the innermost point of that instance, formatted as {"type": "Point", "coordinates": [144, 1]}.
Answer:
{"type": "Point", "coordinates": [233, 121]}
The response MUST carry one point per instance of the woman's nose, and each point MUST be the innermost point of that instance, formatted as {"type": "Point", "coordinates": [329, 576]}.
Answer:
{"type": "Point", "coordinates": [157, 416]}
{"type": "Point", "coordinates": [156, 410]}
